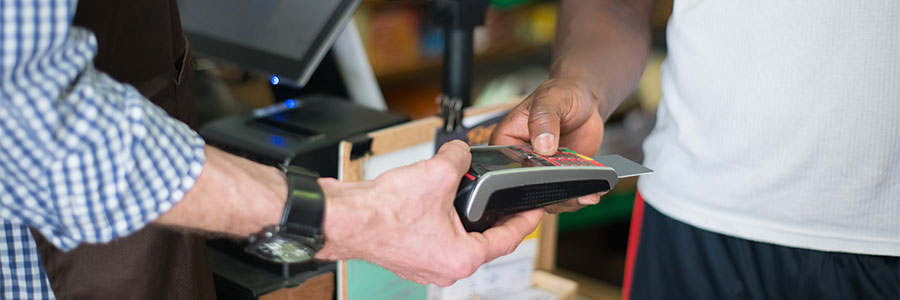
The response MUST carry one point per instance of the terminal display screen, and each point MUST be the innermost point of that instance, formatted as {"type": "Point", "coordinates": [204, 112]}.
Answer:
{"type": "Point", "coordinates": [492, 159]}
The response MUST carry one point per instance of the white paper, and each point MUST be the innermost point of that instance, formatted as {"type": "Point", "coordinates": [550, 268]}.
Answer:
{"type": "Point", "coordinates": [498, 279]}
{"type": "Point", "coordinates": [531, 293]}
{"type": "Point", "coordinates": [374, 166]}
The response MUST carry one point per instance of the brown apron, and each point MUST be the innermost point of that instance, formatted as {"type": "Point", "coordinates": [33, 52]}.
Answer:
{"type": "Point", "coordinates": [140, 43]}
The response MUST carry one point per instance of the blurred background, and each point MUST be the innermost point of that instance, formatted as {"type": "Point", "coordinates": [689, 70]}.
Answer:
{"type": "Point", "coordinates": [512, 56]}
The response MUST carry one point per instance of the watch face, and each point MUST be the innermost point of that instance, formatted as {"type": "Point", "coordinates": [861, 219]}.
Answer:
{"type": "Point", "coordinates": [279, 249]}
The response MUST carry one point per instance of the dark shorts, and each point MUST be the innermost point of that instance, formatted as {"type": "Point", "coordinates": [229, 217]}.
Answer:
{"type": "Point", "coordinates": [668, 259]}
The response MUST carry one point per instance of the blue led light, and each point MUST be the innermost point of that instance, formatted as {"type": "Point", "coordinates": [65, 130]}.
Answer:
{"type": "Point", "coordinates": [277, 140]}
{"type": "Point", "coordinates": [290, 103]}
{"type": "Point", "coordinates": [275, 80]}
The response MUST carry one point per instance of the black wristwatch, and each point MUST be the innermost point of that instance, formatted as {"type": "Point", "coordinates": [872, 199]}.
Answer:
{"type": "Point", "coordinates": [299, 235]}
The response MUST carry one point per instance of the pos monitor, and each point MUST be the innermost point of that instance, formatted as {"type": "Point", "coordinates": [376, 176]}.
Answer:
{"type": "Point", "coordinates": [287, 38]}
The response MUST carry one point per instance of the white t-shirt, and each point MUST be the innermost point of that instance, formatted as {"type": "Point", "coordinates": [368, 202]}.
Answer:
{"type": "Point", "coordinates": [780, 123]}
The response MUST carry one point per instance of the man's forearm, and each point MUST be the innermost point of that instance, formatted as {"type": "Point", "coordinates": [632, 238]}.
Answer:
{"type": "Point", "coordinates": [232, 195]}
{"type": "Point", "coordinates": [604, 44]}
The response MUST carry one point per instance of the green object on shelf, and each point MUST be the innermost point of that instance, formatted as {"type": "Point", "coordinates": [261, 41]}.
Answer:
{"type": "Point", "coordinates": [367, 281]}
{"type": "Point", "coordinates": [508, 3]}
{"type": "Point", "coordinates": [613, 207]}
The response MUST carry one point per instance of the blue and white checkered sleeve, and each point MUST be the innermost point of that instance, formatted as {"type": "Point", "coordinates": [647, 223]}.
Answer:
{"type": "Point", "coordinates": [84, 158]}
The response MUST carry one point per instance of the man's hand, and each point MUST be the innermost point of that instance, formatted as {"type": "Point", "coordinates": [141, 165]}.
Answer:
{"type": "Point", "coordinates": [599, 53]}
{"type": "Point", "coordinates": [405, 221]}
{"type": "Point", "coordinates": [560, 112]}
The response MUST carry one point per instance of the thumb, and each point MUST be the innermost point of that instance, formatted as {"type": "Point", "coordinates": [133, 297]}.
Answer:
{"type": "Point", "coordinates": [456, 156]}
{"type": "Point", "coordinates": [543, 126]}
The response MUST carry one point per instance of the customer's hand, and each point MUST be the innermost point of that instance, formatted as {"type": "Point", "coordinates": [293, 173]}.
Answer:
{"type": "Point", "coordinates": [560, 112]}
{"type": "Point", "coordinates": [405, 221]}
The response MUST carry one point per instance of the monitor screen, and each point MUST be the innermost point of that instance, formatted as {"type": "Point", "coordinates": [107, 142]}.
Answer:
{"type": "Point", "coordinates": [287, 38]}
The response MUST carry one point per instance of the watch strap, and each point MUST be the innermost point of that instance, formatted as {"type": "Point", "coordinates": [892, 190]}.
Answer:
{"type": "Point", "coordinates": [304, 209]}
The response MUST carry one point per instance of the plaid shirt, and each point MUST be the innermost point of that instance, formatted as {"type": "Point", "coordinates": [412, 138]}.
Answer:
{"type": "Point", "coordinates": [83, 158]}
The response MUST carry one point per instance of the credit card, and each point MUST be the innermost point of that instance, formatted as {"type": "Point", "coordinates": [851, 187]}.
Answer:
{"type": "Point", "coordinates": [623, 166]}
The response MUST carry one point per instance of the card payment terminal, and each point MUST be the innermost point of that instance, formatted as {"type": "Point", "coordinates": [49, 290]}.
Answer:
{"type": "Point", "coordinates": [507, 179]}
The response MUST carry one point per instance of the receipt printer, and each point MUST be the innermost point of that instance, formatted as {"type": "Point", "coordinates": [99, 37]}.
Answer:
{"type": "Point", "coordinates": [304, 132]}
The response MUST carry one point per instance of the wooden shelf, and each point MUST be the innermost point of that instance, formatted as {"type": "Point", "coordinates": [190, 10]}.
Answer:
{"type": "Point", "coordinates": [432, 67]}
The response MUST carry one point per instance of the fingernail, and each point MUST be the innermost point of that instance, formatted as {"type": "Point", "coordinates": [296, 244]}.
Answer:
{"type": "Point", "coordinates": [586, 201]}
{"type": "Point", "coordinates": [544, 143]}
